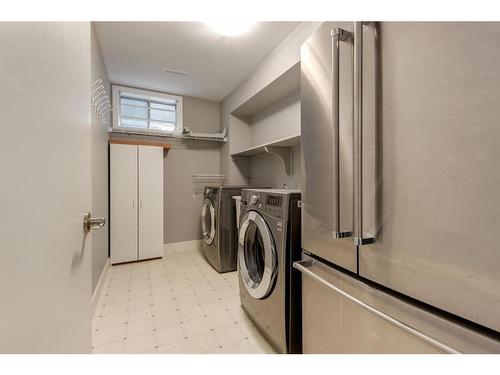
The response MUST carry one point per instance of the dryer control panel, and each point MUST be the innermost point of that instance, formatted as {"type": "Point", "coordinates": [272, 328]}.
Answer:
{"type": "Point", "coordinates": [274, 200]}
{"type": "Point", "coordinates": [269, 201]}
{"type": "Point", "coordinates": [274, 206]}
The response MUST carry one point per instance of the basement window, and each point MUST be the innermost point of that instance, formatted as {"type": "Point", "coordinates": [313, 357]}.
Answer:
{"type": "Point", "coordinates": [143, 111]}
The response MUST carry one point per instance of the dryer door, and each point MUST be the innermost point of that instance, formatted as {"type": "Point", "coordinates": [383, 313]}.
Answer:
{"type": "Point", "coordinates": [256, 255]}
{"type": "Point", "coordinates": [208, 221]}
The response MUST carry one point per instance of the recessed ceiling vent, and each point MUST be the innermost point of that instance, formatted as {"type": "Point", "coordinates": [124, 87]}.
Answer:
{"type": "Point", "coordinates": [174, 71]}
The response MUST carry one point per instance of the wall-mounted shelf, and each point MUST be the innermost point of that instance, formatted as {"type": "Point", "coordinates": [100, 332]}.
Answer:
{"type": "Point", "coordinates": [281, 87]}
{"type": "Point", "coordinates": [215, 138]}
{"type": "Point", "coordinates": [287, 142]}
{"type": "Point", "coordinates": [201, 177]}
{"type": "Point", "coordinates": [281, 148]}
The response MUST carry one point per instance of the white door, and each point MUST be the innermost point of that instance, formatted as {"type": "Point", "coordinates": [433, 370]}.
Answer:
{"type": "Point", "coordinates": [45, 271]}
{"type": "Point", "coordinates": [150, 202]}
{"type": "Point", "coordinates": [123, 203]}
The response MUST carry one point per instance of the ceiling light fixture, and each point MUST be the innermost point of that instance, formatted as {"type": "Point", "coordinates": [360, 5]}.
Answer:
{"type": "Point", "coordinates": [230, 28]}
{"type": "Point", "coordinates": [174, 71]}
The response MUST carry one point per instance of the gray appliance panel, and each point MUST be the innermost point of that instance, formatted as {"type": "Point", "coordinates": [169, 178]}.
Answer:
{"type": "Point", "coordinates": [272, 315]}
{"type": "Point", "coordinates": [226, 229]}
{"type": "Point", "coordinates": [432, 175]}
{"type": "Point", "coordinates": [318, 147]}
{"type": "Point", "coordinates": [221, 254]}
{"type": "Point", "coordinates": [268, 313]}
{"type": "Point", "coordinates": [335, 323]}
{"type": "Point", "coordinates": [212, 251]}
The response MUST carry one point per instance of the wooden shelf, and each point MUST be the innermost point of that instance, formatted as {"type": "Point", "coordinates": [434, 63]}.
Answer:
{"type": "Point", "coordinates": [141, 142]}
{"type": "Point", "coordinates": [281, 148]}
{"type": "Point", "coordinates": [281, 87]}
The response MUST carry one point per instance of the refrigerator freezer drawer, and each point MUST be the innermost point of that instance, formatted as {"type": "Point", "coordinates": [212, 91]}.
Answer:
{"type": "Point", "coordinates": [344, 315]}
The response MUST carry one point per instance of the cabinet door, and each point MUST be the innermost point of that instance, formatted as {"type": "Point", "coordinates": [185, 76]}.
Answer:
{"type": "Point", "coordinates": [123, 202]}
{"type": "Point", "coordinates": [150, 202]}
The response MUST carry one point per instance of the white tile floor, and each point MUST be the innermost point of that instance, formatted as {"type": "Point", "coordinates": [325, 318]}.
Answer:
{"type": "Point", "coordinates": [178, 304]}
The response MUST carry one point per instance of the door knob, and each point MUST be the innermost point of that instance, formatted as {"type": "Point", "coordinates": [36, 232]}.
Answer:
{"type": "Point", "coordinates": [90, 222]}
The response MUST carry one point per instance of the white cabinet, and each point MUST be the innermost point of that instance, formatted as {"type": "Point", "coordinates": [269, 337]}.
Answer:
{"type": "Point", "coordinates": [136, 202]}
{"type": "Point", "coordinates": [150, 202]}
{"type": "Point", "coordinates": [123, 203]}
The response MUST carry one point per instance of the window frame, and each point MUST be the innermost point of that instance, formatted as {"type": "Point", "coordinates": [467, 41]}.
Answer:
{"type": "Point", "coordinates": [148, 95]}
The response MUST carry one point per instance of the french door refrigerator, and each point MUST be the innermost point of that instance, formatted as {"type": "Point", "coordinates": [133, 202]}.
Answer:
{"type": "Point", "coordinates": [401, 187]}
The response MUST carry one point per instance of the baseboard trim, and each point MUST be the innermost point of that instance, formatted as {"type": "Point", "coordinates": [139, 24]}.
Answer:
{"type": "Point", "coordinates": [100, 285]}
{"type": "Point", "coordinates": [182, 246]}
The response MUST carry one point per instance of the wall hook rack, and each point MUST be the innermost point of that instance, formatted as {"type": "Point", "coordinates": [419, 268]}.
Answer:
{"type": "Point", "coordinates": [100, 102]}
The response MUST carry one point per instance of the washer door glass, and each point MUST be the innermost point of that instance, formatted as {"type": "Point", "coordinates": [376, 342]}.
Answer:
{"type": "Point", "coordinates": [256, 255]}
{"type": "Point", "coordinates": [208, 221]}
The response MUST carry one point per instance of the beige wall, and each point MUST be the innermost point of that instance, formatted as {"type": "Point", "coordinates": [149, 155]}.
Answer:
{"type": "Point", "coordinates": [182, 206]}
{"type": "Point", "coordinates": [280, 120]}
{"type": "Point", "coordinates": [185, 158]}
{"type": "Point", "coordinates": [278, 62]}
{"type": "Point", "coordinates": [268, 170]}
{"type": "Point", "coordinates": [99, 164]}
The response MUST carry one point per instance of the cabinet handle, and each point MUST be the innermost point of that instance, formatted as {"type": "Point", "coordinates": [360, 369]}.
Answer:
{"type": "Point", "coordinates": [141, 202]}
{"type": "Point", "coordinates": [133, 203]}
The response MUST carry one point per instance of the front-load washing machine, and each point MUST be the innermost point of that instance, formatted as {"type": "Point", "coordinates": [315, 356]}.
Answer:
{"type": "Point", "coordinates": [268, 244]}
{"type": "Point", "coordinates": [218, 225]}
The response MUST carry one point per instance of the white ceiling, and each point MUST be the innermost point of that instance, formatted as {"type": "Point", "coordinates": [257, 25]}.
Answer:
{"type": "Point", "coordinates": [135, 54]}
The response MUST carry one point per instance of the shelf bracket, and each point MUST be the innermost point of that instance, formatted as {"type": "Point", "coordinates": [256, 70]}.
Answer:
{"type": "Point", "coordinates": [244, 164]}
{"type": "Point", "coordinates": [285, 154]}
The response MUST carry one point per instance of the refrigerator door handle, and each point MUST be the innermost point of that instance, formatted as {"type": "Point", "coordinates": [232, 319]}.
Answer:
{"type": "Point", "coordinates": [338, 35]}
{"type": "Point", "coordinates": [304, 265]}
{"type": "Point", "coordinates": [359, 238]}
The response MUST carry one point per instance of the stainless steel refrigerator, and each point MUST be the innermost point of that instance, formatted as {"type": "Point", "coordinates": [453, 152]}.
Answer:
{"type": "Point", "coordinates": [401, 187]}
